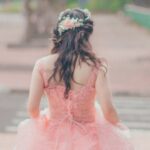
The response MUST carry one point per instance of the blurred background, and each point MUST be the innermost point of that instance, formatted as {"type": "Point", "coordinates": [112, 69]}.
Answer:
{"type": "Point", "coordinates": [121, 35]}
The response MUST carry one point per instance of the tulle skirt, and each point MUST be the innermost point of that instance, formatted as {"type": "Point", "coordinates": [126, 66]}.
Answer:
{"type": "Point", "coordinates": [47, 134]}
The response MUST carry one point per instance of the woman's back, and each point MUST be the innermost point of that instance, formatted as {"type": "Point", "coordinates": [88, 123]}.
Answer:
{"type": "Point", "coordinates": [80, 102]}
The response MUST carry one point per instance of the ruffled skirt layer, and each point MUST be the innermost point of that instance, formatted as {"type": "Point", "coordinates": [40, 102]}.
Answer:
{"type": "Point", "coordinates": [45, 134]}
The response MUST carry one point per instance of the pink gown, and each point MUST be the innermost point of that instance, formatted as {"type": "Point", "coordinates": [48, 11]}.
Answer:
{"type": "Point", "coordinates": [70, 124]}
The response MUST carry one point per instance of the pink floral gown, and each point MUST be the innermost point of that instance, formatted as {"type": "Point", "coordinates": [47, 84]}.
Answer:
{"type": "Point", "coordinates": [70, 124]}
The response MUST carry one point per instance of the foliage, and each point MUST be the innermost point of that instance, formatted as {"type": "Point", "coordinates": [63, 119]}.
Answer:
{"type": "Point", "coordinates": [72, 3]}
{"type": "Point", "coordinates": [13, 7]}
{"type": "Point", "coordinates": [95, 5]}
{"type": "Point", "coordinates": [102, 5]}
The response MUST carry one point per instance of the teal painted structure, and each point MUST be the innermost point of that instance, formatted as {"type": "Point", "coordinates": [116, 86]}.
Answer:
{"type": "Point", "coordinates": [139, 14]}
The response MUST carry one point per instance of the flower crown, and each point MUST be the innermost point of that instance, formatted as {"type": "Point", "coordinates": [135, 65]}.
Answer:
{"type": "Point", "coordinates": [67, 22]}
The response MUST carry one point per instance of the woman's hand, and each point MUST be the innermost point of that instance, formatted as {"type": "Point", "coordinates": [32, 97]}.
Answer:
{"type": "Point", "coordinates": [124, 129]}
{"type": "Point", "coordinates": [121, 126]}
{"type": "Point", "coordinates": [111, 115]}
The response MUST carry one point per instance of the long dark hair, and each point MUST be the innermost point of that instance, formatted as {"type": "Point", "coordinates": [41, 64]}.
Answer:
{"type": "Point", "coordinates": [71, 45]}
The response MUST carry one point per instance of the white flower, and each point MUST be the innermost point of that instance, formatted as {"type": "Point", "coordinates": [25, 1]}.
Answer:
{"type": "Point", "coordinates": [88, 13]}
{"type": "Point", "coordinates": [71, 23]}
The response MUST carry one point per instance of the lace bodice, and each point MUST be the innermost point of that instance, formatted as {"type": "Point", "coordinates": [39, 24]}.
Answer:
{"type": "Point", "coordinates": [80, 104]}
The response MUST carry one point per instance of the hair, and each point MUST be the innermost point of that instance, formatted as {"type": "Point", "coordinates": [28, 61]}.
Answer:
{"type": "Point", "coordinates": [71, 45]}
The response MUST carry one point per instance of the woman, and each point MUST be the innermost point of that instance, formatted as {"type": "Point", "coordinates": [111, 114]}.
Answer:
{"type": "Point", "coordinates": [72, 78]}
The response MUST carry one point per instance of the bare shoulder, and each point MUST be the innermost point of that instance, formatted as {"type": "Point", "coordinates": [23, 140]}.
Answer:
{"type": "Point", "coordinates": [47, 61]}
{"type": "Point", "coordinates": [103, 67]}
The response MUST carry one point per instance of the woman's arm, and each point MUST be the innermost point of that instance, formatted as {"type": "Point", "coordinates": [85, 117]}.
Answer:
{"type": "Point", "coordinates": [104, 95]}
{"type": "Point", "coordinates": [35, 92]}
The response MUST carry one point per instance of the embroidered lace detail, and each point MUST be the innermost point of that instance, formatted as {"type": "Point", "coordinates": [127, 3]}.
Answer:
{"type": "Point", "coordinates": [80, 103]}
